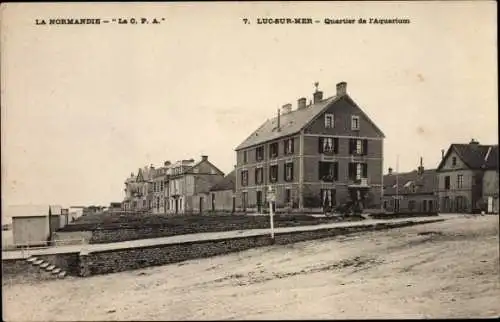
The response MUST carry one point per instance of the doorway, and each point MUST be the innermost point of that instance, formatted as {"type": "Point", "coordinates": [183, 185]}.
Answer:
{"type": "Point", "coordinates": [259, 201]}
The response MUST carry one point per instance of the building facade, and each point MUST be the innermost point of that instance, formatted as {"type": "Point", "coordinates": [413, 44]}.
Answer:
{"type": "Point", "coordinates": [411, 192]}
{"type": "Point", "coordinates": [311, 156]}
{"type": "Point", "coordinates": [159, 189]}
{"type": "Point", "coordinates": [220, 198]}
{"type": "Point", "coordinates": [139, 190]}
{"type": "Point", "coordinates": [468, 179]}
{"type": "Point", "coordinates": [186, 181]}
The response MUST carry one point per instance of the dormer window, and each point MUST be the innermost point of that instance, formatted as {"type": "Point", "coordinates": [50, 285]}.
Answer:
{"type": "Point", "coordinates": [355, 122]}
{"type": "Point", "coordinates": [329, 121]}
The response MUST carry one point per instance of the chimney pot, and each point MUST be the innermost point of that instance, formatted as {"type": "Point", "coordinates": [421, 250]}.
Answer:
{"type": "Point", "coordinates": [204, 157]}
{"type": "Point", "coordinates": [317, 96]}
{"type": "Point", "coordinates": [301, 103]}
{"type": "Point", "coordinates": [341, 88]}
{"type": "Point", "coordinates": [442, 153]}
{"type": "Point", "coordinates": [390, 170]}
{"type": "Point", "coordinates": [472, 141]}
{"type": "Point", "coordinates": [287, 108]}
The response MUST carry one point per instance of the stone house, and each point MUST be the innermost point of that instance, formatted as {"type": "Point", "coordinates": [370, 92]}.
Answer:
{"type": "Point", "coordinates": [186, 181]}
{"type": "Point", "coordinates": [138, 190]}
{"type": "Point", "coordinates": [411, 192]}
{"type": "Point", "coordinates": [312, 156]}
{"type": "Point", "coordinates": [220, 198]}
{"type": "Point", "coordinates": [159, 184]}
{"type": "Point", "coordinates": [468, 178]}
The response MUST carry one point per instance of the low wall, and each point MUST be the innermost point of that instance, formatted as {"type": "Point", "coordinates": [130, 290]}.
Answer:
{"type": "Point", "coordinates": [71, 237]}
{"type": "Point", "coordinates": [133, 258]}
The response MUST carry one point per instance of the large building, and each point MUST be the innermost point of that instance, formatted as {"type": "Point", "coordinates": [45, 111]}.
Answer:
{"type": "Point", "coordinates": [468, 178]}
{"type": "Point", "coordinates": [411, 192]}
{"type": "Point", "coordinates": [312, 156]}
{"type": "Point", "coordinates": [186, 181]}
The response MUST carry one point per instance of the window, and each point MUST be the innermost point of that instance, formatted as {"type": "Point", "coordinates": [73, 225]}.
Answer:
{"type": "Point", "coordinates": [328, 171]}
{"type": "Point", "coordinates": [328, 145]}
{"type": "Point", "coordinates": [329, 121]}
{"type": "Point", "coordinates": [273, 173]}
{"type": "Point", "coordinates": [328, 197]}
{"type": "Point", "coordinates": [162, 185]}
{"type": "Point", "coordinates": [358, 171]}
{"type": "Point", "coordinates": [273, 150]}
{"type": "Point", "coordinates": [454, 161]}
{"type": "Point", "coordinates": [447, 183]}
{"type": "Point", "coordinates": [460, 181]}
{"type": "Point", "coordinates": [358, 146]}
{"type": "Point", "coordinates": [259, 153]}
{"type": "Point", "coordinates": [244, 177]}
{"type": "Point", "coordinates": [289, 146]}
{"type": "Point", "coordinates": [355, 122]}
{"type": "Point", "coordinates": [245, 157]}
{"type": "Point", "coordinates": [259, 175]}
{"type": "Point", "coordinates": [289, 171]}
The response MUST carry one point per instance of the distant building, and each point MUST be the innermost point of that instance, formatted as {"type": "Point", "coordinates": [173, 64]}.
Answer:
{"type": "Point", "coordinates": [186, 180]}
{"type": "Point", "coordinates": [138, 190]}
{"type": "Point", "coordinates": [468, 178]}
{"type": "Point", "coordinates": [220, 198]}
{"type": "Point", "coordinates": [411, 192]}
{"type": "Point", "coordinates": [317, 155]}
{"type": "Point", "coordinates": [159, 184]}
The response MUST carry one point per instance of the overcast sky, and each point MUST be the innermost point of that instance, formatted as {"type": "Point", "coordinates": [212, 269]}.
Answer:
{"type": "Point", "coordinates": [83, 106]}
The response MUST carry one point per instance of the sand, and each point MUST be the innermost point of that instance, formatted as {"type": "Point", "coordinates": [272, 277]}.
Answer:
{"type": "Point", "coordinates": [442, 270]}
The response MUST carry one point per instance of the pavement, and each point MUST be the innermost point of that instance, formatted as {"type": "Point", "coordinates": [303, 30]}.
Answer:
{"type": "Point", "coordinates": [89, 248]}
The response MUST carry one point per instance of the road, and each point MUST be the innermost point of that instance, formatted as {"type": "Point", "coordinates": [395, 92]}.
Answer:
{"type": "Point", "coordinates": [448, 269]}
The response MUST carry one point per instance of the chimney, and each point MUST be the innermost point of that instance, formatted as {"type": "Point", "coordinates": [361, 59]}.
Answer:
{"type": "Point", "coordinates": [390, 171]}
{"type": "Point", "coordinates": [278, 121]}
{"type": "Point", "coordinates": [301, 103]}
{"type": "Point", "coordinates": [167, 163]}
{"type": "Point", "coordinates": [341, 88]}
{"type": "Point", "coordinates": [131, 174]}
{"type": "Point", "coordinates": [317, 95]}
{"type": "Point", "coordinates": [472, 141]}
{"type": "Point", "coordinates": [442, 153]}
{"type": "Point", "coordinates": [204, 157]}
{"type": "Point", "coordinates": [287, 108]}
{"type": "Point", "coordinates": [420, 169]}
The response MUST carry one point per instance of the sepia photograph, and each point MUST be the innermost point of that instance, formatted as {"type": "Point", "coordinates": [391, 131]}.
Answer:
{"type": "Point", "coordinates": [246, 160]}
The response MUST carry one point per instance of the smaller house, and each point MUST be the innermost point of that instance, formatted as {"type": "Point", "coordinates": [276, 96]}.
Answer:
{"type": "Point", "coordinates": [220, 198]}
{"type": "Point", "coordinates": [36, 229]}
{"type": "Point", "coordinates": [411, 192]}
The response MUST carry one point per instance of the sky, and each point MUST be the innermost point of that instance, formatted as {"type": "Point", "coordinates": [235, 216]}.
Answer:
{"type": "Point", "coordinates": [83, 106]}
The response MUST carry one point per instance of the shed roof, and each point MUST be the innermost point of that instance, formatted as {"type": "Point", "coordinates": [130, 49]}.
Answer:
{"type": "Point", "coordinates": [424, 184]}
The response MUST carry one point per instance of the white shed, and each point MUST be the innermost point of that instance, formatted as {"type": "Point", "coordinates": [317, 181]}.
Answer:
{"type": "Point", "coordinates": [30, 230]}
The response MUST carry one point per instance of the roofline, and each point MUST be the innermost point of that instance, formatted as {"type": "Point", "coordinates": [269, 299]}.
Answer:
{"type": "Point", "coordinates": [266, 141]}
{"type": "Point", "coordinates": [366, 116]}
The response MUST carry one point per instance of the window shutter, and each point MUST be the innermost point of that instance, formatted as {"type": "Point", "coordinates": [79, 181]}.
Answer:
{"type": "Point", "coordinates": [352, 170]}
{"type": "Point", "coordinates": [365, 170]}
{"type": "Point", "coordinates": [291, 171]}
{"type": "Point", "coordinates": [320, 169]}
{"type": "Point", "coordinates": [284, 172]}
{"type": "Point", "coordinates": [293, 145]}
{"type": "Point", "coordinates": [320, 146]}
{"type": "Point", "coordinates": [336, 145]}
{"type": "Point", "coordinates": [352, 145]}
{"type": "Point", "coordinates": [336, 171]}
{"type": "Point", "coordinates": [365, 147]}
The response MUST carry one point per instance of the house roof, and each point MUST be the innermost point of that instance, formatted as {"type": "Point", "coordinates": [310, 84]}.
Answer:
{"type": "Point", "coordinates": [475, 156]}
{"type": "Point", "coordinates": [290, 123]}
{"type": "Point", "coordinates": [423, 184]}
{"type": "Point", "coordinates": [228, 183]}
{"type": "Point", "coordinates": [294, 121]}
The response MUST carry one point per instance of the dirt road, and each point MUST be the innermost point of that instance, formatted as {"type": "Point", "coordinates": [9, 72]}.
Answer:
{"type": "Point", "coordinates": [443, 270]}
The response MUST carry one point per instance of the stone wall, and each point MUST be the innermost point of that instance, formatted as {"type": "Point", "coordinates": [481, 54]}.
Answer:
{"type": "Point", "coordinates": [134, 258]}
